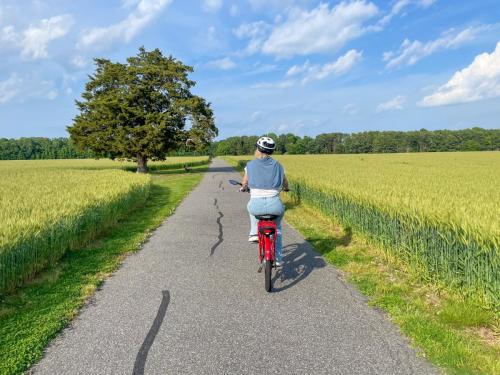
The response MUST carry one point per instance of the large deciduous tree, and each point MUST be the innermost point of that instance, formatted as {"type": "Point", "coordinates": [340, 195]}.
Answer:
{"type": "Point", "coordinates": [141, 109]}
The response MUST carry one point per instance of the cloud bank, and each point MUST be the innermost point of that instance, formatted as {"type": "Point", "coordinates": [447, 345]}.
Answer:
{"type": "Point", "coordinates": [480, 80]}
{"type": "Point", "coordinates": [323, 29]}
{"type": "Point", "coordinates": [394, 104]}
{"type": "Point", "coordinates": [411, 52]}
{"type": "Point", "coordinates": [319, 72]}
{"type": "Point", "coordinates": [102, 37]}
{"type": "Point", "coordinates": [34, 41]}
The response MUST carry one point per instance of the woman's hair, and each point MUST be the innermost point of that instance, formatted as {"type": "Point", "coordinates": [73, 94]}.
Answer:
{"type": "Point", "coordinates": [260, 155]}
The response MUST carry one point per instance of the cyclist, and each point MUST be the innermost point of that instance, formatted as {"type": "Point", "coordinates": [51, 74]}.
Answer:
{"type": "Point", "coordinates": [265, 177]}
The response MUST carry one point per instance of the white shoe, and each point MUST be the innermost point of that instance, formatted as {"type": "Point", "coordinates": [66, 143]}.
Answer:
{"type": "Point", "coordinates": [253, 238]}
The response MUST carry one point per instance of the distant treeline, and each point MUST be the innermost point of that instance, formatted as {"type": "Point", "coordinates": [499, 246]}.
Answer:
{"type": "Point", "coordinates": [475, 139]}
{"type": "Point", "coordinates": [56, 148]}
{"type": "Point", "coordinates": [39, 148]}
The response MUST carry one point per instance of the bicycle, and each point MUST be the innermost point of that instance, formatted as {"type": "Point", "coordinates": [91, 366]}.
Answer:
{"type": "Point", "coordinates": [266, 232]}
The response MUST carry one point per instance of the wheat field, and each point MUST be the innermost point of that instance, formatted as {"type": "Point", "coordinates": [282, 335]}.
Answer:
{"type": "Point", "coordinates": [438, 211]}
{"type": "Point", "coordinates": [50, 206]}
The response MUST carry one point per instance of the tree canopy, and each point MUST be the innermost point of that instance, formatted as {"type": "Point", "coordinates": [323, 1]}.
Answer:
{"type": "Point", "coordinates": [141, 109]}
{"type": "Point", "coordinates": [474, 139]}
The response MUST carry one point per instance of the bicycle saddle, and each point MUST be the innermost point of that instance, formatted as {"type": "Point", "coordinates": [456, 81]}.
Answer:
{"type": "Point", "coordinates": [266, 217]}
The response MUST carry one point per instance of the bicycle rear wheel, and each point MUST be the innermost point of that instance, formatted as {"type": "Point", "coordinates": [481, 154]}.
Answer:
{"type": "Point", "coordinates": [267, 275]}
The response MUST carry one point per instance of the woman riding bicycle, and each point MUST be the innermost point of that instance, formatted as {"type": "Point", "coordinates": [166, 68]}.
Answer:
{"type": "Point", "coordinates": [265, 177]}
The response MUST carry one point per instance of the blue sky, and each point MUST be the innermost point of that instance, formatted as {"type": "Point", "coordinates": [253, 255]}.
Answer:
{"type": "Point", "coordinates": [300, 66]}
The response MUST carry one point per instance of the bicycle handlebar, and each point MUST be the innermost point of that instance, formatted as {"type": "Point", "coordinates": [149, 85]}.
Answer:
{"type": "Point", "coordinates": [246, 190]}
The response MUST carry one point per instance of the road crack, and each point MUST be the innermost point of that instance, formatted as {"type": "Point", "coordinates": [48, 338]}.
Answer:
{"type": "Point", "coordinates": [142, 355]}
{"type": "Point", "coordinates": [220, 237]}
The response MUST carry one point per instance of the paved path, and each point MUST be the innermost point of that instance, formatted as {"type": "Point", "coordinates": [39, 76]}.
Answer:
{"type": "Point", "coordinates": [192, 302]}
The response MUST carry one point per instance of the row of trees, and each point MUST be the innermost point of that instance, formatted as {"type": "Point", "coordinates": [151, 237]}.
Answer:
{"type": "Point", "coordinates": [474, 139]}
{"type": "Point", "coordinates": [40, 148]}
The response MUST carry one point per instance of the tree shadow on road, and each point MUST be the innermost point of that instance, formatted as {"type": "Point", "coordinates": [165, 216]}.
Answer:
{"type": "Point", "coordinates": [299, 261]}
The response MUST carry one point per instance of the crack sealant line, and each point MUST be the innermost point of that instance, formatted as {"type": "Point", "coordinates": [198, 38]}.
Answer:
{"type": "Point", "coordinates": [220, 237]}
{"type": "Point", "coordinates": [142, 355]}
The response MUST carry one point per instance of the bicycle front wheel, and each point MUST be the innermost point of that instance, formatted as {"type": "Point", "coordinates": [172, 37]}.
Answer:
{"type": "Point", "coordinates": [267, 275]}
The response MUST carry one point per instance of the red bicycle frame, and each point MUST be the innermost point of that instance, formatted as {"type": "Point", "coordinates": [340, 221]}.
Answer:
{"type": "Point", "coordinates": [267, 232]}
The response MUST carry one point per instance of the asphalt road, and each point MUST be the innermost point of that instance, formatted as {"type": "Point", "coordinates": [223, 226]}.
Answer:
{"type": "Point", "coordinates": [191, 302]}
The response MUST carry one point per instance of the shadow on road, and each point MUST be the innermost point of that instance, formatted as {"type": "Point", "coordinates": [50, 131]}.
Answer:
{"type": "Point", "coordinates": [300, 260]}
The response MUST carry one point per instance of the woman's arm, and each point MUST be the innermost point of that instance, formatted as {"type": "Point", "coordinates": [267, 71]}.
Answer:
{"type": "Point", "coordinates": [285, 184]}
{"type": "Point", "coordinates": [244, 182]}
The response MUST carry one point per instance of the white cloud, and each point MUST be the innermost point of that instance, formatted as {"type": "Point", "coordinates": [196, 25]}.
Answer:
{"type": "Point", "coordinates": [340, 66]}
{"type": "Point", "coordinates": [395, 103]}
{"type": "Point", "coordinates": [212, 5]}
{"type": "Point", "coordinates": [9, 35]}
{"type": "Point", "coordinates": [320, 30]}
{"type": "Point", "coordinates": [34, 40]}
{"type": "Point", "coordinates": [261, 69]}
{"type": "Point", "coordinates": [9, 88]}
{"type": "Point", "coordinates": [411, 52]}
{"type": "Point", "coordinates": [480, 80]}
{"type": "Point", "coordinates": [24, 87]}
{"type": "Point", "coordinates": [256, 32]}
{"type": "Point", "coordinates": [297, 69]}
{"type": "Point", "coordinates": [349, 109]}
{"type": "Point", "coordinates": [79, 61]}
{"type": "Point", "coordinates": [274, 85]}
{"type": "Point", "coordinates": [140, 17]}
{"type": "Point", "coordinates": [399, 6]}
{"type": "Point", "coordinates": [318, 72]}
{"type": "Point", "coordinates": [426, 3]}
{"type": "Point", "coordinates": [225, 63]}
{"type": "Point", "coordinates": [250, 30]}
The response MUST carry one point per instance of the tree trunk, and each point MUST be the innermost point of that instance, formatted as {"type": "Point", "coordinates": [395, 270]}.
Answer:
{"type": "Point", "coordinates": [142, 164]}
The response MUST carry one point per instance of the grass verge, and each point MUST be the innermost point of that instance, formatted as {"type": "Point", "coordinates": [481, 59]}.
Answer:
{"type": "Point", "coordinates": [37, 312]}
{"type": "Point", "coordinates": [456, 334]}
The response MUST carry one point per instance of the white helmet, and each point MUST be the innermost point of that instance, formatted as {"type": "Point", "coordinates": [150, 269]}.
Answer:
{"type": "Point", "coordinates": [266, 145]}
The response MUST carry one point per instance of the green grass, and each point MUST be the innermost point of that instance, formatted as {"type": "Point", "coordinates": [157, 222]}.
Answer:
{"type": "Point", "coordinates": [456, 334]}
{"type": "Point", "coordinates": [37, 312]}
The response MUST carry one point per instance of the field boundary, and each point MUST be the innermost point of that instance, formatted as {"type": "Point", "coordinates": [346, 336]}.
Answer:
{"type": "Point", "coordinates": [164, 167]}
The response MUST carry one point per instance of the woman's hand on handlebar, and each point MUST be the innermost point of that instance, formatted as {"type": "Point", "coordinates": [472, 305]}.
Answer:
{"type": "Point", "coordinates": [285, 184]}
